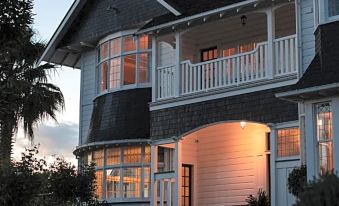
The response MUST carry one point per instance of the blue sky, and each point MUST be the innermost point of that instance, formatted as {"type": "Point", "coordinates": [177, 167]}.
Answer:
{"type": "Point", "coordinates": [55, 138]}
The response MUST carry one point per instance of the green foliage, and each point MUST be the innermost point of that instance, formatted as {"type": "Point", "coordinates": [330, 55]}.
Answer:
{"type": "Point", "coordinates": [26, 97]}
{"type": "Point", "coordinates": [321, 192]}
{"type": "Point", "coordinates": [30, 182]}
{"type": "Point", "coordinates": [261, 199]}
{"type": "Point", "coordinates": [297, 180]}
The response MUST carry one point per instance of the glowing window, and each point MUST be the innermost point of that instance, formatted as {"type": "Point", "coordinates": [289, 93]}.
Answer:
{"type": "Point", "coordinates": [209, 54]}
{"type": "Point", "coordinates": [115, 47]}
{"type": "Point", "coordinates": [98, 158]}
{"type": "Point", "coordinates": [113, 156]}
{"type": "Point", "coordinates": [129, 69]}
{"type": "Point", "coordinates": [144, 42]}
{"type": "Point", "coordinates": [99, 181]}
{"type": "Point", "coordinates": [288, 143]}
{"type": "Point", "coordinates": [131, 182]}
{"type": "Point", "coordinates": [147, 182]}
{"type": "Point", "coordinates": [103, 76]}
{"type": "Point", "coordinates": [132, 154]}
{"type": "Point", "coordinates": [324, 135]}
{"type": "Point", "coordinates": [129, 44]}
{"type": "Point", "coordinates": [115, 73]}
{"type": "Point", "coordinates": [147, 154]}
{"type": "Point", "coordinates": [104, 51]}
{"type": "Point", "coordinates": [229, 52]}
{"type": "Point", "coordinates": [112, 183]}
{"type": "Point", "coordinates": [144, 67]}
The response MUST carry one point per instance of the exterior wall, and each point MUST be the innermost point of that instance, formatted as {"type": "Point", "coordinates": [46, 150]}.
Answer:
{"type": "Point", "coordinates": [260, 106]}
{"type": "Point", "coordinates": [121, 115]}
{"type": "Point", "coordinates": [226, 176]}
{"type": "Point", "coordinates": [307, 32]}
{"type": "Point", "coordinates": [87, 93]}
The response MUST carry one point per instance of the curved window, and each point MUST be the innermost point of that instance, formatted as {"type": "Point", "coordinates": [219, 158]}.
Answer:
{"type": "Point", "coordinates": [123, 62]}
{"type": "Point", "coordinates": [121, 172]}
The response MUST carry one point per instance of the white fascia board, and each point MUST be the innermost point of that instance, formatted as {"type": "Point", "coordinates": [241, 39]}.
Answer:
{"type": "Point", "coordinates": [200, 15]}
{"type": "Point", "coordinates": [169, 7]}
{"type": "Point", "coordinates": [51, 46]}
{"type": "Point", "coordinates": [307, 90]}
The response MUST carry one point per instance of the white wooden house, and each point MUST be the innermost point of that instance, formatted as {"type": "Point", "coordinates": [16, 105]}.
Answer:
{"type": "Point", "coordinates": [200, 102]}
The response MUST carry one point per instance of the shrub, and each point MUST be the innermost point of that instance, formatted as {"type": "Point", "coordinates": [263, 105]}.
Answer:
{"type": "Point", "coordinates": [261, 199]}
{"type": "Point", "coordinates": [321, 192]}
{"type": "Point", "coordinates": [297, 180]}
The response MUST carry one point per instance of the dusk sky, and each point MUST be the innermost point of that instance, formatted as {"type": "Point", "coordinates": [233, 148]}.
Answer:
{"type": "Point", "coordinates": [55, 138]}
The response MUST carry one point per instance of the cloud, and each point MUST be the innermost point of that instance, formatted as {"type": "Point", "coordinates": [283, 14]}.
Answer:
{"type": "Point", "coordinates": [54, 140]}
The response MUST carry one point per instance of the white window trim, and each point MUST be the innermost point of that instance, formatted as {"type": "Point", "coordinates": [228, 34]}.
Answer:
{"type": "Point", "coordinates": [321, 14]}
{"type": "Point", "coordinates": [121, 166]}
{"type": "Point", "coordinates": [287, 125]}
{"type": "Point", "coordinates": [121, 55]}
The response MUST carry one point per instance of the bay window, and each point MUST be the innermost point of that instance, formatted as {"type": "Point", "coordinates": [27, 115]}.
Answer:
{"type": "Point", "coordinates": [324, 136]}
{"type": "Point", "coordinates": [122, 172]}
{"type": "Point", "coordinates": [123, 61]}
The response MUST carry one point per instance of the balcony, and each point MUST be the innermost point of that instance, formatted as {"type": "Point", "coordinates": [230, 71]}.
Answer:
{"type": "Point", "coordinates": [261, 53]}
{"type": "Point", "coordinates": [229, 71]}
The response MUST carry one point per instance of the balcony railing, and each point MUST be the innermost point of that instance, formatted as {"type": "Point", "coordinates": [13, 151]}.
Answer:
{"type": "Point", "coordinates": [229, 71]}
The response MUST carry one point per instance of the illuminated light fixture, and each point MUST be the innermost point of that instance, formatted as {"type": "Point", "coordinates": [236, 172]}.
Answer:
{"type": "Point", "coordinates": [320, 122]}
{"type": "Point", "coordinates": [242, 124]}
{"type": "Point", "coordinates": [243, 19]}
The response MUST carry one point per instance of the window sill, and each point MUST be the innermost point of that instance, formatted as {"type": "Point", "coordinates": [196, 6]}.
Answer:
{"type": "Point", "coordinates": [290, 158]}
{"type": "Point", "coordinates": [125, 87]}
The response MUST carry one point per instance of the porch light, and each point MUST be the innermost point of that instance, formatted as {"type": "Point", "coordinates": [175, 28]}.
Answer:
{"type": "Point", "coordinates": [243, 20]}
{"type": "Point", "coordinates": [242, 124]}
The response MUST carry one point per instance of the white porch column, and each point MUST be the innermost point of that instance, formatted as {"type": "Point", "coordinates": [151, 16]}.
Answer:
{"type": "Point", "coordinates": [178, 45]}
{"type": "Point", "coordinates": [154, 68]}
{"type": "Point", "coordinates": [154, 169]}
{"type": "Point", "coordinates": [272, 161]}
{"type": "Point", "coordinates": [270, 40]}
{"type": "Point", "coordinates": [177, 169]}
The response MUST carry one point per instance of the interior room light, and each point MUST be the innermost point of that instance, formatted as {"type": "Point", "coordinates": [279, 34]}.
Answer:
{"type": "Point", "coordinates": [242, 124]}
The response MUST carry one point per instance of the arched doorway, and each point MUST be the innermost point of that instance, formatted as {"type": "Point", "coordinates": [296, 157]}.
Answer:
{"type": "Point", "coordinates": [224, 163]}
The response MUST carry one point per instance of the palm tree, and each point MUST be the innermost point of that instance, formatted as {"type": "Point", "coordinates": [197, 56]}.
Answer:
{"type": "Point", "coordinates": [26, 97]}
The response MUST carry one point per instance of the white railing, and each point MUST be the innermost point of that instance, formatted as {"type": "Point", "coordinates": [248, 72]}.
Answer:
{"type": "Point", "coordinates": [223, 72]}
{"type": "Point", "coordinates": [229, 71]}
{"type": "Point", "coordinates": [286, 59]}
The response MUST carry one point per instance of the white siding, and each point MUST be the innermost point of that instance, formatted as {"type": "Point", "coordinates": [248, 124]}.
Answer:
{"type": "Point", "coordinates": [166, 54]}
{"type": "Point", "coordinates": [229, 163]}
{"type": "Point", "coordinates": [87, 93]}
{"type": "Point", "coordinates": [307, 32]}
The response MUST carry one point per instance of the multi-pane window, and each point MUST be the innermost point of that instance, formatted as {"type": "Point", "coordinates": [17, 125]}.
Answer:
{"type": "Point", "coordinates": [113, 156]}
{"type": "Point", "coordinates": [132, 182]}
{"type": "Point", "coordinates": [98, 158]}
{"type": "Point", "coordinates": [186, 186]}
{"type": "Point", "coordinates": [98, 183]}
{"type": "Point", "coordinates": [123, 61]}
{"type": "Point", "coordinates": [132, 154]}
{"type": "Point", "coordinates": [288, 142]}
{"type": "Point", "coordinates": [112, 183]}
{"type": "Point", "coordinates": [333, 8]}
{"type": "Point", "coordinates": [324, 136]}
{"type": "Point", "coordinates": [122, 172]}
{"type": "Point", "coordinates": [209, 54]}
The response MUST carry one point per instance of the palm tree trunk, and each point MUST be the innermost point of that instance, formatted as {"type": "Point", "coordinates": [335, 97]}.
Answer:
{"type": "Point", "coordinates": [6, 134]}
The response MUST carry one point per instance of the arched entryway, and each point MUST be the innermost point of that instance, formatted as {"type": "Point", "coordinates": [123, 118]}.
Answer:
{"type": "Point", "coordinates": [227, 162]}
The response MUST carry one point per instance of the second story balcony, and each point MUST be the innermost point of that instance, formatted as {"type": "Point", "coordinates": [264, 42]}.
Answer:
{"type": "Point", "coordinates": [257, 47]}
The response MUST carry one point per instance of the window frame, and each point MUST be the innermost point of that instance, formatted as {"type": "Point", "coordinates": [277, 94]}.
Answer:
{"type": "Point", "coordinates": [137, 52]}
{"type": "Point", "coordinates": [317, 141]}
{"type": "Point", "coordinates": [121, 166]}
{"type": "Point", "coordinates": [276, 144]}
{"type": "Point", "coordinates": [321, 14]}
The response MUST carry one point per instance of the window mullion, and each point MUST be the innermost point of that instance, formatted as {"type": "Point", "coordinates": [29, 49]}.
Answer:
{"type": "Point", "coordinates": [137, 67]}
{"type": "Point", "coordinates": [121, 62]}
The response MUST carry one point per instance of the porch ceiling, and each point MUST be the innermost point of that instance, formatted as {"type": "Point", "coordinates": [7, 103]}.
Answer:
{"type": "Point", "coordinates": [168, 23]}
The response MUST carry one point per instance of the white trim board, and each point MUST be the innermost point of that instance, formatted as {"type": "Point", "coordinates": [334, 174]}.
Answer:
{"type": "Point", "coordinates": [169, 7]}
{"type": "Point", "coordinates": [207, 97]}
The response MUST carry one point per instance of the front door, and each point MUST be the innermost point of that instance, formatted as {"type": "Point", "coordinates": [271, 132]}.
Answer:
{"type": "Point", "coordinates": [186, 187]}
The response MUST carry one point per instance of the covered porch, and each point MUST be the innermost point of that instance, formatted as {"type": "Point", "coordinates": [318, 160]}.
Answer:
{"type": "Point", "coordinates": [255, 47]}
{"type": "Point", "coordinates": [219, 164]}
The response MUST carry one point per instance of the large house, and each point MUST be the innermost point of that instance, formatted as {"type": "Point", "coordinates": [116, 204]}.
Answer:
{"type": "Point", "coordinates": [203, 102]}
